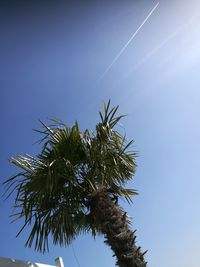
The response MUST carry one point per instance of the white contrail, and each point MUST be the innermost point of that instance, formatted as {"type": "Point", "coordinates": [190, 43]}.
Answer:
{"type": "Point", "coordinates": [125, 46]}
{"type": "Point", "coordinates": [156, 49]}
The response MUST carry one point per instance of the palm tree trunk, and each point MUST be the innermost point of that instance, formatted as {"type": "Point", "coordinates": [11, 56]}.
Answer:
{"type": "Point", "coordinates": [110, 220]}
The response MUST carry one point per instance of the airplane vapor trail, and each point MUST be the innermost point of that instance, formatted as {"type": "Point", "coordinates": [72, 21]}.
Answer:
{"type": "Point", "coordinates": [125, 46]}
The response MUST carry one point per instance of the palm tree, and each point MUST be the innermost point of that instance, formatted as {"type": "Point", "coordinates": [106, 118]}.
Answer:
{"type": "Point", "coordinates": [73, 186]}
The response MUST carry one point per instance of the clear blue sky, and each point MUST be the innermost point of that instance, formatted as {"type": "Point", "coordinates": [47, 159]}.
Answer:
{"type": "Point", "coordinates": [52, 54]}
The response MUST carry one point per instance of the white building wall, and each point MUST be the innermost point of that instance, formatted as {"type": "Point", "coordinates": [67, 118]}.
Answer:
{"type": "Point", "coordinates": [8, 262]}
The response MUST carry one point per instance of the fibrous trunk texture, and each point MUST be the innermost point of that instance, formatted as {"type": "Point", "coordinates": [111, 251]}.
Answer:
{"type": "Point", "coordinates": [109, 219]}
